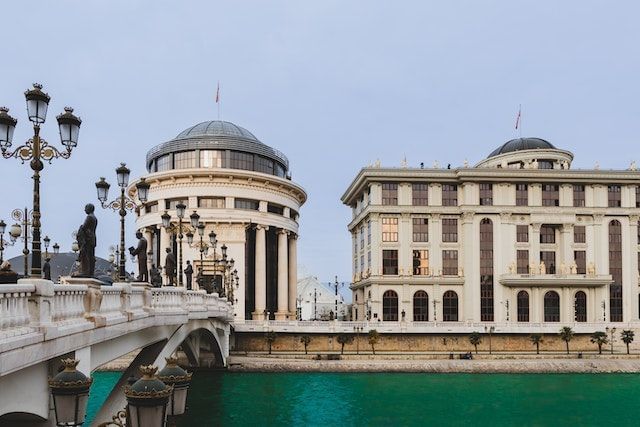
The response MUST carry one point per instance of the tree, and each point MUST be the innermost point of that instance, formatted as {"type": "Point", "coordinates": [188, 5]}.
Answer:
{"type": "Point", "coordinates": [536, 339]}
{"type": "Point", "coordinates": [374, 337]}
{"type": "Point", "coordinates": [475, 339]}
{"type": "Point", "coordinates": [344, 339]}
{"type": "Point", "coordinates": [305, 340]}
{"type": "Point", "coordinates": [270, 337]}
{"type": "Point", "coordinates": [599, 338]}
{"type": "Point", "coordinates": [627, 338]}
{"type": "Point", "coordinates": [566, 333]}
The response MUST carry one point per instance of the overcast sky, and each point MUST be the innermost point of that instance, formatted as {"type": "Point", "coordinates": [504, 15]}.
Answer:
{"type": "Point", "coordinates": [334, 85]}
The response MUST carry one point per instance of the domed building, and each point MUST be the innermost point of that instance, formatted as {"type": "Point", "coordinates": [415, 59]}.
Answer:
{"type": "Point", "coordinates": [242, 191]}
{"type": "Point", "coordinates": [520, 239]}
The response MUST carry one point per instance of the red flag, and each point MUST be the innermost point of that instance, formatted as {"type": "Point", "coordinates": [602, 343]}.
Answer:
{"type": "Point", "coordinates": [518, 118]}
{"type": "Point", "coordinates": [218, 93]}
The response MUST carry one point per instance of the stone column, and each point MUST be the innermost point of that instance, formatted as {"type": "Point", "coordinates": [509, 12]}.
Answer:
{"type": "Point", "coordinates": [283, 276]}
{"type": "Point", "coordinates": [260, 274]}
{"type": "Point", "coordinates": [566, 248]}
{"type": "Point", "coordinates": [293, 275]}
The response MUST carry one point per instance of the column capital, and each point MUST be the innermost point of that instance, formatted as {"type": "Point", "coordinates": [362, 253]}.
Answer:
{"type": "Point", "coordinates": [262, 227]}
{"type": "Point", "coordinates": [633, 220]}
{"type": "Point", "coordinates": [536, 226]}
{"type": "Point", "coordinates": [283, 231]}
{"type": "Point", "coordinates": [293, 236]}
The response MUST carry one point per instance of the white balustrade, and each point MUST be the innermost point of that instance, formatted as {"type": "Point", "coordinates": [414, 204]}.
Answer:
{"type": "Point", "coordinates": [167, 299]}
{"type": "Point", "coordinates": [111, 301]}
{"type": "Point", "coordinates": [14, 306]}
{"type": "Point", "coordinates": [68, 303]}
{"type": "Point", "coordinates": [137, 298]}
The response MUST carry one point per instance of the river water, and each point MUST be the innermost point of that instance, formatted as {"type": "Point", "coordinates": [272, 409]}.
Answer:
{"type": "Point", "coordinates": [393, 399]}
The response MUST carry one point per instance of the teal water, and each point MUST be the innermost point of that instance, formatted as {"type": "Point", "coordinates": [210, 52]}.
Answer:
{"type": "Point", "coordinates": [380, 399]}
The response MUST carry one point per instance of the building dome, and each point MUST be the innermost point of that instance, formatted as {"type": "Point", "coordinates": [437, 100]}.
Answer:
{"type": "Point", "coordinates": [520, 144]}
{"type": "Point", "coordinates": [220, 144]}
{"type": "Point", "coordinates": [217, 128]}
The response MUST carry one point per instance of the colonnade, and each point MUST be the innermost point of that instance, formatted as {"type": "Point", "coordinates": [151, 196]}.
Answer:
{"type": "Point", "coordinates": [287, 274]}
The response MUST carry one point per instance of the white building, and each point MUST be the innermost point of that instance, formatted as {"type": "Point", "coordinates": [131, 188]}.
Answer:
{"type": "Point", "coordinates": [318, 301]}
{"type": "Point", "coordinates": [520, 237]}
{"type": "Point", "coordinates": [242, 190]}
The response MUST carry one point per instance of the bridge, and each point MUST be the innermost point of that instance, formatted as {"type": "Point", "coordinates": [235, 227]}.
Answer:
{"type": "Point", "coordinates": [42, 322]}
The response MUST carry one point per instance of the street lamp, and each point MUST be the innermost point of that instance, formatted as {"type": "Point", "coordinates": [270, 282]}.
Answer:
{"type": "Point", "coordinates": [147, 399]}
{"type": "Point", "coordinates": [490, 330]}
{"type": "Point", "coordinates": [70, 392]}
{"type": "Point", "coordinates": [36, 150]}
{"type": "Point", "coordinates": [14, 233]}
{"type": "Point", "coordinates": [121, 204]}
{"type": "Point", "coordinates": [179, 379]}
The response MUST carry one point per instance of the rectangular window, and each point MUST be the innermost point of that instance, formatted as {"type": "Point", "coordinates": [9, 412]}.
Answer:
{"type": "Point", "coordinates": [362, 236]}
{"type": "Point", "coordinates": [420, 230]}
{"type": "Point", "coordinates": [361, 263]}
{"type": "Point", "coordinates": [389, 229]}
{"type": "Point", "coordinates": [486, 194]}
{"type": "Point", "coordinates": [275, 209]}
{"type": "Point", "coordinates": [249, 204]}
{"type": "Point", "coordinates": [369, 259]}
{"type": "Point", "coordinates": [523, 262]}
{"type": "Point", "coordinates": [449, 230]}
{"type": "Point", "coordinates": [420, 194]}
{"type": "Point", "coordinates": [579, 234]}
{"type": "Point", "coordinates": [547, 234]}
{"type": "Point", "coordinates": [170, 204]}
{"type": "Point", "coordinates": [239, 160]}
{"type": "Point", "coordinates": [211, 202]}
{"type": "Point", "coordinates": [420, 263]}
{"type": "Point", "coordinates": [449, 195]}
{"type": "Point", "coordinates": [368, 232]}
{"type": "Point", "coordinates": [522, 233]}
{"type": "Point", "coordinates": [164, 163]}
{"type": "Point", "coordinates": [185, 160]}
{"type": "Point", "coordinates": [390, 262]}
{"type": "Point", "coordinates": [545, 164]}
{"type": "Point", "coordinates": [389, 194]}
{"type": "Point", "coordinates": [550, 195]}
{"type": "Point", "coordinates": [211, 158]}
{"type": "Point", "coordinates": [615, 193]}
{"type": "Point", "coordinates": [638, 196]}
{"type": "Point", "coordinates": [449, 263]}
{"type": "Point", "coordinates": [522, 195]}
{"type": "Point", "coordinates": [264, 165]}
{"type": "Point", "coordinates": [549, 259]}
{"type": "Point", "coordinates": [578, 195]}
{"type": "Point", "coordinates": [581, 261]}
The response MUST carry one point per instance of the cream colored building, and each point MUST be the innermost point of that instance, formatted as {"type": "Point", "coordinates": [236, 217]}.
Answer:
{"type": "Point", "coordinates": [518, 238]}
{"type": "Point", "coordinates": [242, 190]}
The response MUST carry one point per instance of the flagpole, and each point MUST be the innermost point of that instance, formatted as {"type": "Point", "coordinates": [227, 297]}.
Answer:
{"type": "Point", "coordinates": [520, 127]}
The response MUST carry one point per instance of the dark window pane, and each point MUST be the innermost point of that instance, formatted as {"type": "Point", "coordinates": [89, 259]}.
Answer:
{"type": "Point", "coordinates": [390, 306]}
{"type": "Point", "coordinates": [523, 306]}
{"type": "Point", "coordinates": [551, 307]}
{"type": "Point", "coordinates": [420, 306]}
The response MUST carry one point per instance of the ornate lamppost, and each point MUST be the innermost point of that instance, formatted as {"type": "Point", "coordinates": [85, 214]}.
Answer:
{"type": "Point", "coordinates": [178, 230]}
{"type": "Point", "coordinates": [70, 392]}
{"type": "Point", "coordinates": [14, 233]}
{"type": "Point", "coordinates": [36, 150]}
{"type": "Point", "coordinates": [201, 245]}
{"type": "Point", "coordinates": [25, 221]}
{"type": "Point", "coordinates": [122, 204]}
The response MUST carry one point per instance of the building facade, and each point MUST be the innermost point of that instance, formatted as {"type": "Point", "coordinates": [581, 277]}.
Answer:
{"type": "Point", "coordinates": [518, 238]}
{"type": "Point", "coordinates": [321, 301]}
{"type": "Point", "coordinates": [242, 190]}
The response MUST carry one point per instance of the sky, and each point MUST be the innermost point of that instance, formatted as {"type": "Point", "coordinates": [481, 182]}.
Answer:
{"type": "Point", "coordinates": [335, 85]}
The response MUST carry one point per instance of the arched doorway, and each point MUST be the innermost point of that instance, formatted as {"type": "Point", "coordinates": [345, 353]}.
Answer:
{"type": "Point", "coordinates": [581, 307]}
{"type": "Point", "coordinates": [420, 306]}
{"type": "Point", "coordinates": [450, 306]}
{"type": "Point", "coordinates": [551, 307]}
{"type": "Point", "coordinates": [523, 306]}
{"type": "Point", "coordinates": [390, 306]}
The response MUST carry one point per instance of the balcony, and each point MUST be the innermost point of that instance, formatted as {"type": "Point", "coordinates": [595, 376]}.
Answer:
{"type": "Point", "coordinates": [556, 280]}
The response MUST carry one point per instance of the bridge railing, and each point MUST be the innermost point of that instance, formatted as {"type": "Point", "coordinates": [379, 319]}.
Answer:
{"type": "Point", "coordinates": [35, 307]}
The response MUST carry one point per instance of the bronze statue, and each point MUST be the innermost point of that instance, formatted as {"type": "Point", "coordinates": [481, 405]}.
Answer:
{"type": "Point", "coordinates": [46, 269]}
{"type": "Point", "coordinates": [170, 267]}
{"type": "Point", "coordinates": [87, 242]}
{"type": "Point", "coordinates": [156, 277]}
{"type": "Point", "coordinates": [141, 253]}
{"type": "Point", "coordinates": [188, 272]}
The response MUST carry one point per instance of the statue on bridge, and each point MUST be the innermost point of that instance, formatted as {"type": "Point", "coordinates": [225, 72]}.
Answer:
{"type": "Point", "coordinates": [87, 242]}
{"type": "Point", "coordinates": [141, 253]}
{"type": "Point", "coordinates": [170, 267]}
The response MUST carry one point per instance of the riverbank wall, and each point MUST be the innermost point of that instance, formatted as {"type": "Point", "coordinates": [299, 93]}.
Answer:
{"type": "Point", "coordinates": [407, 343]}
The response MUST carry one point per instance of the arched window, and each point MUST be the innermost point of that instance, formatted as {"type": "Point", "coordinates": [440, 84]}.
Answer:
{"type": "Point", "coordinates": [551, 307]}
{"type": "Point", "coordinates": [420, 306]}
{"type": "Point", "coordinates": [486, 270]}
{"type": "Point", "coordinates": [390, 306]}
{"type": "Point", "coordinates": [523, 306]}
{"type": "Point", "coordinates": [615, 269]}
{"type": "Point", "coordinates": [450, 306]}
{"type": "Point", "coordinates": [581, 306]}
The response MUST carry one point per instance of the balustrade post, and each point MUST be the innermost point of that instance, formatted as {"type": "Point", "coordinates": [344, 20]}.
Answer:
{"type": "Point", "coordinates": [41, 302]}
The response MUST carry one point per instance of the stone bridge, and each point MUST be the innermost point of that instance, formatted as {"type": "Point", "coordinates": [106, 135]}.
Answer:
{"type": "Point", "coordinates": [41, 322]}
